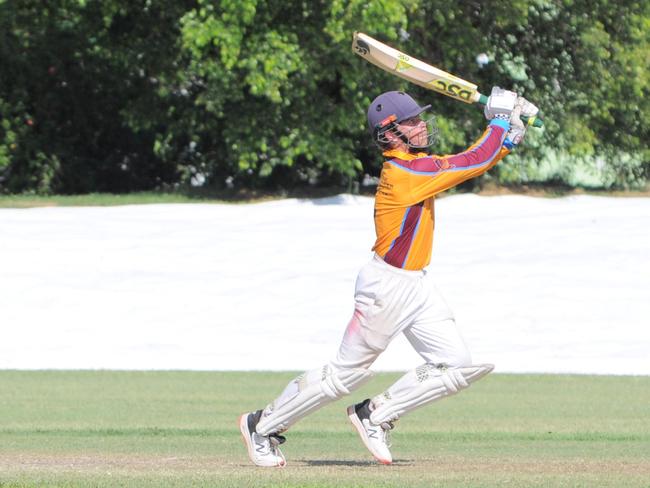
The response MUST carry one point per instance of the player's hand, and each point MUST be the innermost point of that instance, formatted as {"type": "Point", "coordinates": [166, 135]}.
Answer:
{"type": "Point", "coordinates": [517, 130]}
{"type": "Point", "coordinates": [527, 109]}
{"type": "Point", "coordinates": [500, 104]}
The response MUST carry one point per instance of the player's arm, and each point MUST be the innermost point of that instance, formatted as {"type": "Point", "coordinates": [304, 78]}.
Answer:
{"type": "Point", "coordinates": [501, 135]}
{"type": "Point", "coordinates": [435, 174]}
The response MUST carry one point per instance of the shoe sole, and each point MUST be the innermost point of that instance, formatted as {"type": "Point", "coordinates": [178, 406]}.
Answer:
{"type": "Point", "coordinates": [246, 437]}
{"type": "Point", "coordinates": [354, 418]}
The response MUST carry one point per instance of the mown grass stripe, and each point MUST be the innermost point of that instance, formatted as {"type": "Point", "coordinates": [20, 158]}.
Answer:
{"type": "Point", "coordinates": [412, 436]}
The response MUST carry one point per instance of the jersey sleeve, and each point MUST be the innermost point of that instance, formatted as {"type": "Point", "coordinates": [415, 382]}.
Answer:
{"type": "Point", "coordinates": [435, 174]}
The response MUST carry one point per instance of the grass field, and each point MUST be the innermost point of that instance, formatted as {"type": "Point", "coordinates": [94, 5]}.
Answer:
{"type": "Point", "coordinates": [95, 200]}
{"type": "Point", "coordinates": [248, 196]}
{"type": "Point", "coordinates": [106, 428]}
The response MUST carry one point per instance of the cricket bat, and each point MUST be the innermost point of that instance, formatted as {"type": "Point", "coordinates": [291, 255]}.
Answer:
{"type": "Point", "coordinates": [421, 73]}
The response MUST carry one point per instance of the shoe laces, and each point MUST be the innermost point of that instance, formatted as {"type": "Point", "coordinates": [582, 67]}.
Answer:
{"type": "Point", "coordinates": [274, 443]}
{"type": "Point", "coordinates": [276, 439]}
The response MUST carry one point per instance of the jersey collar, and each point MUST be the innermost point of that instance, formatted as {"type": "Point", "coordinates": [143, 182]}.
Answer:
{"type": "Point", "coordinates": [404, 156]}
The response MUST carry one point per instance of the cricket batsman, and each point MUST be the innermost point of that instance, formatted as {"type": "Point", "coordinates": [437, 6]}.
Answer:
{"type": "Point", "coordinates": [394, 293]}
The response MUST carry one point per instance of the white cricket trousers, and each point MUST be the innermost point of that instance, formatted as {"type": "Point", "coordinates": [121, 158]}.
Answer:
{"type": "Point", "coordinates": [390, 301]}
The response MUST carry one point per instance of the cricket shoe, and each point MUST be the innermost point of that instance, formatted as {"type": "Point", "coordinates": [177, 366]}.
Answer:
{"type": "Point", "coordinates": [263, 450]}
{"type": "Point", "coordinates": [375, 437]}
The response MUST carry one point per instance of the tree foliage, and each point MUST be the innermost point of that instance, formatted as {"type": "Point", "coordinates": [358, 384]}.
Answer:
{"type": "Point", "coordinates": [124, 95]}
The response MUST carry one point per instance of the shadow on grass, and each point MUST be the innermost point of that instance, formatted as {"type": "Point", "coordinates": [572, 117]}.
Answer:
{"type": "Point", "coordinates": [337, 462]}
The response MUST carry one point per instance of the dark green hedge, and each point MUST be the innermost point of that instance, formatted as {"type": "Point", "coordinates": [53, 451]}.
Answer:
{"type": "Point", "coordinates": [121, 95]}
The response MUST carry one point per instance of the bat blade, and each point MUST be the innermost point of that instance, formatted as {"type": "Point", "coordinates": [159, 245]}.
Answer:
{"type": "Point", "coordinates": [413, 70]}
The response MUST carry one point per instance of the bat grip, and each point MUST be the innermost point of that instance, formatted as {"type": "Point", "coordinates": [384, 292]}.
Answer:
{"type": "Point", "coordinates": [535, 122]}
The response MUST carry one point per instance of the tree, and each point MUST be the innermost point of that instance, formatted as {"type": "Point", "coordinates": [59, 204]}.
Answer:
{"type": "Point", "coordinates": [121, 96]}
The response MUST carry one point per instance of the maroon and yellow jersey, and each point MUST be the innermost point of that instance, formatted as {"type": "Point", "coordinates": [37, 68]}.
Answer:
{"type": "Point", "coordinates": [404, 213]}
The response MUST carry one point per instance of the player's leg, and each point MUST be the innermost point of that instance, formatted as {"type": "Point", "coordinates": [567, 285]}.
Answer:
{"type": "Point", "coordinates": [315, 388]}
{"type": "Point", "coordinates": [262, 450]}
{"type": "Point", "coordinates": [447, 369]}
{"type": "Point", "coordinates": [305, 394]}
{"type": "Point", "coordinates": [356, 350]}
{"type": "Point", "coordinates": [403, 299]}
{"type": "Point", "coordinates": [374, 418]}
{"type": "Point", "coordinates": [434, 335]}
{"type": "Point", "coordinates": [422, 385]}
{"type": "Point", "coordinates": [318, 387]}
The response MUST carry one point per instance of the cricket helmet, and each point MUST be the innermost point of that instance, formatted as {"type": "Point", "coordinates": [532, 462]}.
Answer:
{"type": "Point", "coordinates": [394, 107]}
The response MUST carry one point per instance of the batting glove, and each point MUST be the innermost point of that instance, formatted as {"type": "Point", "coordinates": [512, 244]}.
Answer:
{"type": "Point", "coordinates": [517, 130]}
{"type": "Point", "coordinates": [527, 109]}
{"type": "Point", "coordinates": [500, 104]}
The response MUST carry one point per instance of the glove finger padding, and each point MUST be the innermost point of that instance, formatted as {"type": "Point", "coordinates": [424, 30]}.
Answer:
{"type": "Point", "coordinates": [528, 109]}
{"type": "Point", "coordinates": [517, 130]}
{"type": "Point", "coordinates": [500, 104]}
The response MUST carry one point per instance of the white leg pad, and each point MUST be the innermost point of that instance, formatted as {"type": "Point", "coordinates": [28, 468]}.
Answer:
{"type": "Point", "coordinates": [424, 384]}
{"type": "Point", "coordinates": [307, 393]}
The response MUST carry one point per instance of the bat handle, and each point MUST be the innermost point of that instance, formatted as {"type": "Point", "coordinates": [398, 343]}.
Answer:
{"type": "Point", "coordinates": [534, 121]}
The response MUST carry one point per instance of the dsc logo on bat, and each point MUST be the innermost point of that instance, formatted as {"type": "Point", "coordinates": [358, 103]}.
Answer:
{"type": "Point", "coordinates": [451, 89]}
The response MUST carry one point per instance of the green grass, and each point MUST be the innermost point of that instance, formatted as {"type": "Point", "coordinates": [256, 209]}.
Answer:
{"type": "Point", "coordinates": [248, 196]}
{"type": "Point", "coordinates": [98, 200]}
{"type": "Point", "coordinates": [141, 198]}
{"type": "Point", "coordinates": [106, 428]}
